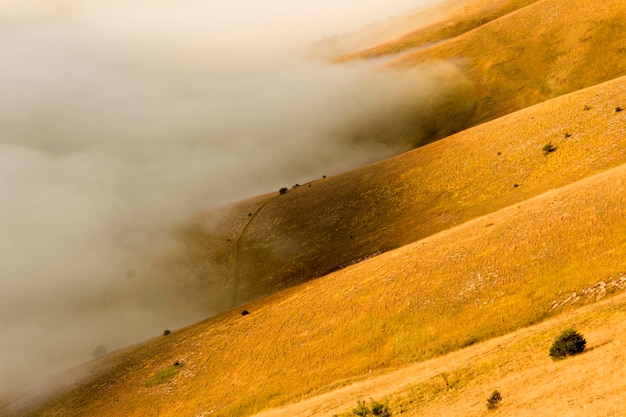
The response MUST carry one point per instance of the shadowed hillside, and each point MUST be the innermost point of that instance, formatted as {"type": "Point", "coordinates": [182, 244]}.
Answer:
{"type": "Point", "coordinates": [485, 278]}
{"type": "Point", "coordinates": [282, 240]}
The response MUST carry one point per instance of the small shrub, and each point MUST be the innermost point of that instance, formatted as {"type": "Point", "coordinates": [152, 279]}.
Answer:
{"type": "Point", "coordinates": [567, 135]}
{"type": "Point", "coordinates": [618, 109]}
{"type": "Point", "coordinates": [568, 343]}
{"type": "Point", "coordinates": [99, 351]}
{"type": "Point", "coordinates": [361, 409]}
{"type": "Point", "coordinates": [548, 148]}
{"type": "Point", "coordinates": [375, 409]}
{"type": "Point", "coordinates": [166, 332]}
{"type": "Point", "coordinates": [245, 313]}
{"type": "Point", "coordinates": [283, 190]}
{"type": "Point", "coordinates": [494, 401]}
{"type": "Point", "coordinates": [380, 409]}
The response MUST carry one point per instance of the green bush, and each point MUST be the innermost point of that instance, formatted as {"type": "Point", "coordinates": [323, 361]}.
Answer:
{"type": "Point", "coordinates": [494, 400]}
{"type": "Point", "coordinates": [568, 343]}
{"type": "Point", "coordinates": [163, 376]}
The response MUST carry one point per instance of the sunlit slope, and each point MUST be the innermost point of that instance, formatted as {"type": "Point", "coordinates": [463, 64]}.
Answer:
{"type": "Point", "coordinates": [484, 278]}
{"type": "Point", "coordinates": [330, 223]}
{"type": "Point", "coordinates": [538, 52]}
{"type": "Point", "coordinates": [384, 30]}
{"type": "Point", "coordinates": [461, 17]}
{"type": "Point", "coordinates": [517, 365]}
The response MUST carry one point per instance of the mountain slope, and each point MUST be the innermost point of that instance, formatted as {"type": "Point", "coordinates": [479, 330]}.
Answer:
{"type": "Point", "coordinates": [458, 20]}
{"type": "Point", "coordinates": [516, 364]}
{"type": "Point", "coordinates": [484, 278]}
{"type": "Point", "coordinates": [538, 52]}
{"type": "Point", "coordinates": [433, 251]}
{"type": "Point", "coordinates": [333, 222]}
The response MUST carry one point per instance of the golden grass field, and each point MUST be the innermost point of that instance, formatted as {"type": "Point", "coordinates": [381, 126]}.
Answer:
{"type": "Point", "coordinates": [514, 60]}
{"type": "Point", "coordinates": [517, 365]}
{"type": "Point", "coordinates": [310, 231]}
{"type": "Point", "coordinates": [482, 279]}
{"type": "Point", "coordinates": [534, 53]}
{"type": "Point", "coordinates": [442, 273]}
{"type": "Point", "coordinates": [460, 17]}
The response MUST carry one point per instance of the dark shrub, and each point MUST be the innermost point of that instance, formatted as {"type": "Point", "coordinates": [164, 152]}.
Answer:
{"type": "Point", "coordinates": [245, 313]}
{"type": "Point", "coordinates": [361, 409]}
{"type": "Point", "coordinates": [567, 343]}
{"type": "Point", "coordinates": [618, 109]}
{"type": "Point", "coordinates": [166, 332]}
{"type": "Point", "coordinates": [375, 409]}
{"type": "Point", "coordinates": [548, 148]}
{"type": "Point", "coordinates": [99, 351]}
{"type": "Point", "coordinates": [494, 400]}
{"type": "Point", "coordinates": [283, 190]}
{"type": "Point", "coordinates": [381, 410]}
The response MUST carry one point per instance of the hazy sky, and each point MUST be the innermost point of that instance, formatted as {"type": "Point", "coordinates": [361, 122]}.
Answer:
{"type": "Point", "coordinates": [120, 118]}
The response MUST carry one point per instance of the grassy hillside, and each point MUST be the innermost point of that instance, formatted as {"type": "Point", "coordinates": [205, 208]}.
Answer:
{"type": "Point", "coordinates": [458, 20]}
{"type": "Point", "coordinates": [538, 52]}
{"type": "Point", "coordinates": [333, 222]}
{"type": "Point", "coordinates": [433, 263]}
{"type": "Point", "coordinates": [517, 365]}
{"type": "Point", "coordinates": [384, 30]}
{"type": "Point", "coordinates": [485, 278]}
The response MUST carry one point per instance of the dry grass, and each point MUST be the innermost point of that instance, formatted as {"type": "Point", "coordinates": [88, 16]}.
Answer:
{"type": "Point", "coordinates": [457, 21]}
{"type": "Point", "coordinates": [516, 364]}
{"type": "Point", "coordinates": [309, 231]}
{"type": "Point", "coordinates": [529, 55]}
{"type": "Point", "coordinates": [485, 278]}
{"type": "Point", "coordinates": [482, 258]}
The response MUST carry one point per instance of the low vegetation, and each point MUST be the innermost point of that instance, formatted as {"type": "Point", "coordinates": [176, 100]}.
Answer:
{"type": "Point", "coordinates": [548, 148]}
{"type": "Point", "coordinates": [440, 304]}
{"type": "Point", "coordinates": [568, 343]}
{"type": "Point", "coordinates": [375, 408]}
{"type": "Point", "coordinates": [493, 402]}
{"type": "Point", "coordinates": [164, 375]}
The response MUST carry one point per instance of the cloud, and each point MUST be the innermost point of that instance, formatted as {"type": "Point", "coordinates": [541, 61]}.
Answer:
{"type": "Point", "coordinates": [121, 119]}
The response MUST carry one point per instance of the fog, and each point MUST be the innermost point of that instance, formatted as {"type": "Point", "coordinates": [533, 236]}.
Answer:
{"type": "Point", "coordinates": [120, 119]}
